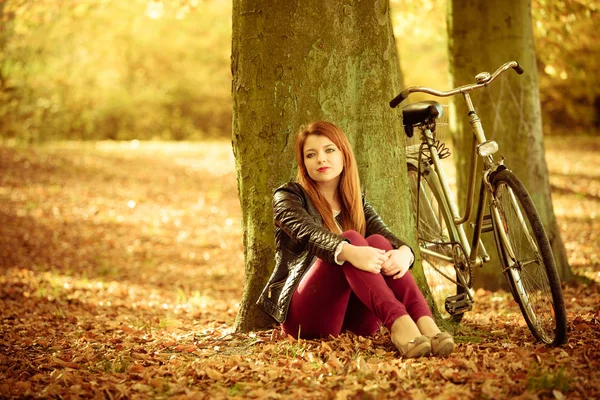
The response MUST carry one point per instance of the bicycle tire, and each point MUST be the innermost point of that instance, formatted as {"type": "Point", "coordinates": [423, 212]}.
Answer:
{"type": "Point", "coordinates": [436, 230]}
{"type": "Point", "coordinates": [531, 273]}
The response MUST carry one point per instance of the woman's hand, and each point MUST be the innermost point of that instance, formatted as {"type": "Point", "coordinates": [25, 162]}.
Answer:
{"type": "Point", "coordinates": [398, 262]}
{"type": "Point", "coordinates": [365, 258]}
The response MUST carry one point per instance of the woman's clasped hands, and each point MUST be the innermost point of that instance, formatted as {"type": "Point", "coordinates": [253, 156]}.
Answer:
{"type": "Point", "coordinates": [395, 262]}
{"type": "Point", "coordinates": [398, 262]}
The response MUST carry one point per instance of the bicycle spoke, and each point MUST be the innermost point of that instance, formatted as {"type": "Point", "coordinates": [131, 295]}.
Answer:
{"type": "Point", "coordinates": [521, 220]}
{"type": "Point", "coordinates": [529, 270]}
{"type": "Point", "coordinates": [540, 290]}
{"type": "Point", "coordinates": [430, 218]}
{"type": "Point", "coordinates": [539, 307]}
{"type": "Point", "coordinates": [435, 243]}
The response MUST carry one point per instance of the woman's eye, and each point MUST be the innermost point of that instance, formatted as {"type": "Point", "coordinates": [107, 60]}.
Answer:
{"type": "Point", "coordinates": [310, 155]}
{"type": "Point", "coordinates": [330, 150]}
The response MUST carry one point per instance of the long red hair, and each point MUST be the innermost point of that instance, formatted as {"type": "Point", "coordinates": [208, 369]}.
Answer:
{"type": "Point", "coordinates": [353, 216]}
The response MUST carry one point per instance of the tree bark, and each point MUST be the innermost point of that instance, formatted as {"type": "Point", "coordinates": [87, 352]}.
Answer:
{"type": "Point", "coordinates": [294, 62]}
{"type": "Point", "coordinates": [482, 36]}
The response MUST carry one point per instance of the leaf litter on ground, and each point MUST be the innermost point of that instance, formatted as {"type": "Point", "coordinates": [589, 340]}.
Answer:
{"type": "Point", "coordinates": [122, 271]}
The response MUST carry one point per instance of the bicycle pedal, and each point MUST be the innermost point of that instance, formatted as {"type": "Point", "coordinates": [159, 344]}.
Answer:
{"type": "Point", "coordinates": [458, 304]}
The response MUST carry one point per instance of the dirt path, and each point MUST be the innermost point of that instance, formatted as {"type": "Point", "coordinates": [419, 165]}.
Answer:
{"type": "Point", "coordinates": [122, 268]}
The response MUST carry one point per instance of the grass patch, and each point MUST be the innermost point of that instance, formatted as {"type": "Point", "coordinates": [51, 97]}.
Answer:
{"type": "Point", "coordinates": [467, 334]}
{"type": "Point", "coordinates": [236, 390]}
{"type": "Point", "coordinates": [547, 380]}
{"type": "Point", "coordinates": [106, 269]}
{"type": "Point", "coordinates": [468, 339]}
{"type": "Point", "coordinates": [117, 365]}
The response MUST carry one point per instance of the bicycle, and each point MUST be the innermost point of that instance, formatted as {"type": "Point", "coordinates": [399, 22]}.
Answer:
{"type": "Point", "coordinates": [448, 256]}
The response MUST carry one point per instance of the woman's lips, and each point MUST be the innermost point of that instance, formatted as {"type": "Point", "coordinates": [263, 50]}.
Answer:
{"type": "Point", "coordinates": [323, 169]}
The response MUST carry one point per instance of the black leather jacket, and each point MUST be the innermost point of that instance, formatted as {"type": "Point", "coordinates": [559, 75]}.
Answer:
{"type": "Point", "coordinates": [300, 238]}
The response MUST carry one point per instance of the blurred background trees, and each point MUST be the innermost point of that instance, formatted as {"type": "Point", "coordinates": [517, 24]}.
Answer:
{"type": "Point", "coordinates": [107, 69]}
{"type": "Point", "coordinates": [567, 47]}
{"type": "Point", "coordinates": [566, 44]}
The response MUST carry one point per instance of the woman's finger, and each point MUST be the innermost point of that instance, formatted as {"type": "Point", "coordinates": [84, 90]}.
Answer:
{"type": "Point", "coordinates": [400, 273]}
{"type": "Point", "coordinates": [387, 265]}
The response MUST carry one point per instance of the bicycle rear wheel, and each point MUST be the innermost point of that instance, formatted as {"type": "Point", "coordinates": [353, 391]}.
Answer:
{"type": "Point", "coordinates": [437, 241]}
{"type": "Point", "coordinates": [528, 262]}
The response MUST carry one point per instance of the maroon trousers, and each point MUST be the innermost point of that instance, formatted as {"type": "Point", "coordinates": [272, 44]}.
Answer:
{"type": "Point", "coordinates": [333, 298]}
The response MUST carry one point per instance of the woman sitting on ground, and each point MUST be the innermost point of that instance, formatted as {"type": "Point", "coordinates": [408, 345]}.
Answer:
{"type": "Point", "coordinates": [338, 266]}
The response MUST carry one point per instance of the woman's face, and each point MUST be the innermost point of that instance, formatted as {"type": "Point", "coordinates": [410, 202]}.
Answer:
{"type": "Point", "coordinates": [323, 160]}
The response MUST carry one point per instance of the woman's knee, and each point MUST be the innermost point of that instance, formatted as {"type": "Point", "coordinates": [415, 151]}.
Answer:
{"type": "Point", "coordinates": [379, 242]}
{"type": "Point", "coordinates": [355, 238]}
{"type": "Point", "coordinates": [407, 286]}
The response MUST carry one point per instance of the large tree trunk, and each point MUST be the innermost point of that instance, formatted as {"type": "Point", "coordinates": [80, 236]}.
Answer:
{"type": "Point", "coordinates": [294, 62]}
{"type": "Point", "coordinates": [482, 36]}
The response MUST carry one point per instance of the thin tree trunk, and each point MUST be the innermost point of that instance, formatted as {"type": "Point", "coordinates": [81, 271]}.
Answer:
{"type": "Point", "coordinates": [482, 36]}
{"type": "Point", "coordinates": [294, 62]}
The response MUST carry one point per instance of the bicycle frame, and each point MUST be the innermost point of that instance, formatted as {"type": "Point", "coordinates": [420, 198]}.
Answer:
{"type": "Point", "coordinates": [475, 246]}
{"type": "Point", "coordinates": [472, 247]}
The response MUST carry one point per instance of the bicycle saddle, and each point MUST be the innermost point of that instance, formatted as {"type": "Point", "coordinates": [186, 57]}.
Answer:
{"type": "Point", "coordinates": [417, 113]}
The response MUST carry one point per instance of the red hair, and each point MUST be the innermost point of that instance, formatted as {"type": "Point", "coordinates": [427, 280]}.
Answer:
{"type": "Point", "coordinates": [353, 215]}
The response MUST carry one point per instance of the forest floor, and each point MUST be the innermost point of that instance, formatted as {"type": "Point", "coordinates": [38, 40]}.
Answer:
{"type": "Point", "coordinates": [121, 271]}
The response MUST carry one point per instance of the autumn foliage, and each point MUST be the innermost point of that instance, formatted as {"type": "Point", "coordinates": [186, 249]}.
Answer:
{"type": "Point", "coordinates": [147, 69]}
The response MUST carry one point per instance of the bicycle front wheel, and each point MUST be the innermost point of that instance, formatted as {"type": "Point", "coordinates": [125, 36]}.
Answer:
{"type": "Point", "coordinates": [437, 239]}
{"type": "Point", "coordinates": [528, 262]}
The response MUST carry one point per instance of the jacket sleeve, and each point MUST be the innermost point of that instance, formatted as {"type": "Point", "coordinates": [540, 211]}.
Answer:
{"type": "Point", "coordinates": [375, 225]}
{"type": "Point", "coordinates": [290, 214]}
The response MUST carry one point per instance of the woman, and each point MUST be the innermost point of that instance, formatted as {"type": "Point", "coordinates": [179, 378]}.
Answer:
{"type": "Point", "coordinates": [338, 267]}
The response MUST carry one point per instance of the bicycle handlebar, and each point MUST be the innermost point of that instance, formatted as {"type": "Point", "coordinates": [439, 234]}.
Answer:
{"type": "Point", "coordinates": [483, 79]}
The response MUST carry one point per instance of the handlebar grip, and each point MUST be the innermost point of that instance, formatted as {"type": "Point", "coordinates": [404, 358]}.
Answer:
{"type": "Point", "coordinates": [518, 69]}
{"type": "Point", "coordinates": [397, 100]}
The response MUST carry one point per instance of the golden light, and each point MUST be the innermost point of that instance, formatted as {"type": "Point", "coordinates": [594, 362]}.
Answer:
{"type": "Point", "coordinates": [155, 9]}
{"type": "Point", "coordinates": [550, 70]}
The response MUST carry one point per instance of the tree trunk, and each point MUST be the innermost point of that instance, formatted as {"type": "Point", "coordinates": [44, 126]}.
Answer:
{"type": "Point", "coordinates": [5, 33]}
{"type": "Point", "coordinates": [298, 61]}
{"type": "Point", "coordinates": [482, 36]}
